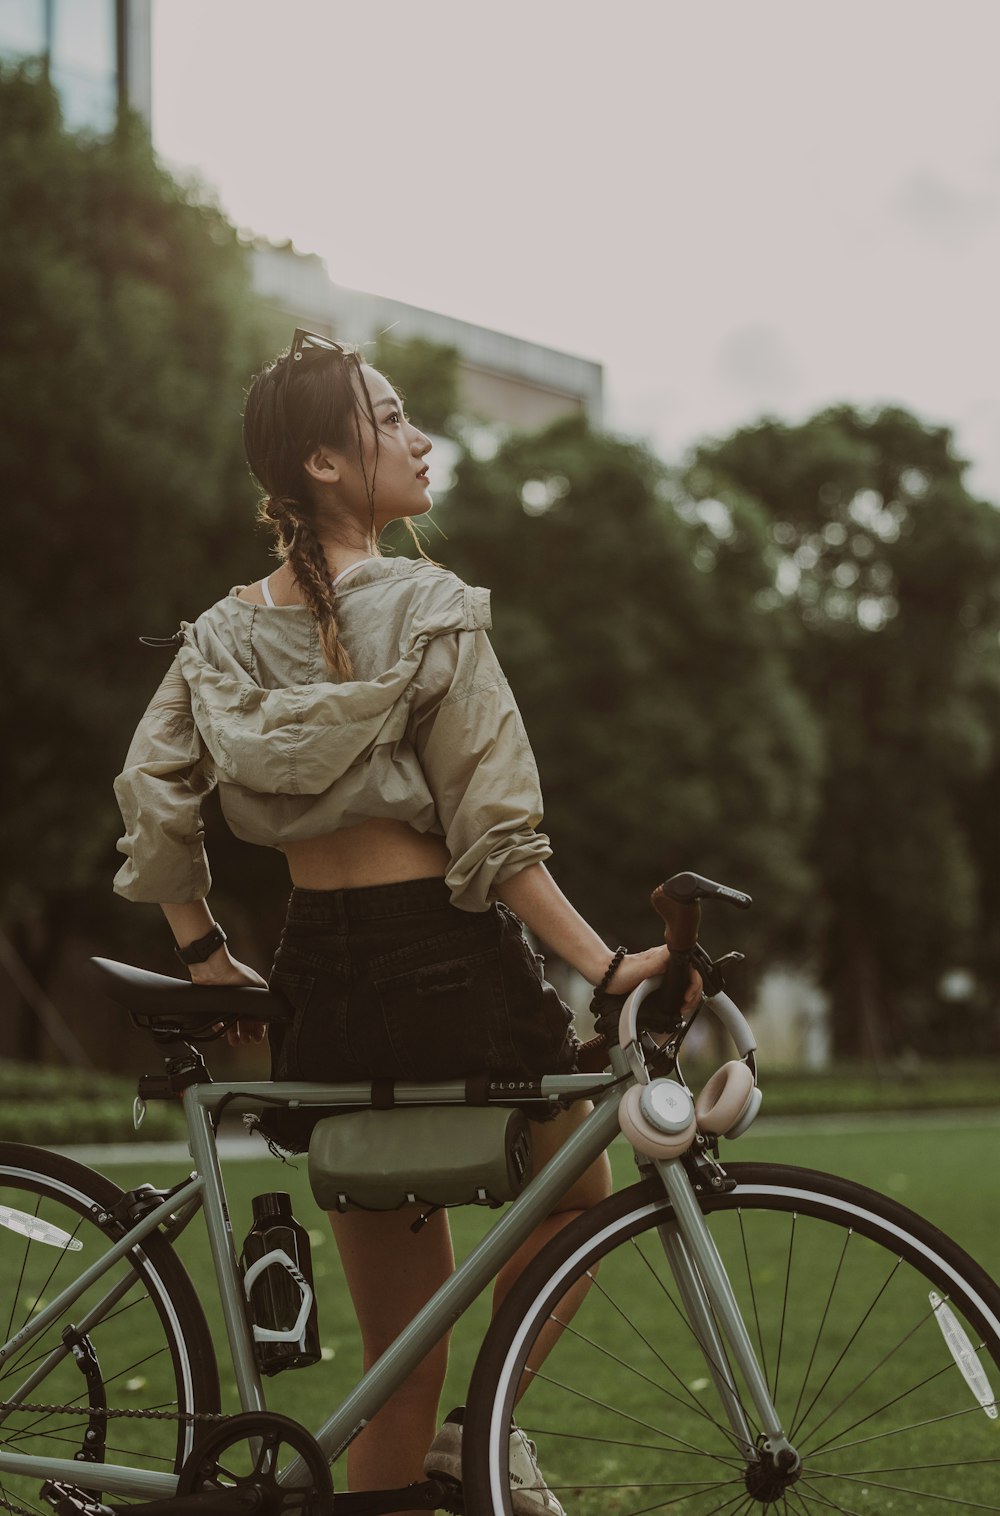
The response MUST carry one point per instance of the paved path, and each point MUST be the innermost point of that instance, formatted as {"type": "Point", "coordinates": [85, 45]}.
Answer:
{"type": "Point", "coordinates": [239, 1147]}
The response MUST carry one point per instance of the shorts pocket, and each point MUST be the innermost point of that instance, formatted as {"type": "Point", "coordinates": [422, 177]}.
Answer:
{"type": "Point", "coordinates": [464, 940]}
{"type": "Point", "coordinates": [294, 991]}
{"type": "Point", "coordinates": [541, 1025]}
{"type": "Point", "coordinates": [445, 1018]}
{"type": "Point", "coordinates": [289, 1129]}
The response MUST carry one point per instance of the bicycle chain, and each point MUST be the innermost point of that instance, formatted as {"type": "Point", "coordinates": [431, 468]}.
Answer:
{"type": "Point", "coordinates": [110, 1413]}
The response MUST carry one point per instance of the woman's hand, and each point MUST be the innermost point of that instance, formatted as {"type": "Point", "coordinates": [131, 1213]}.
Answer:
{"type": "Point", "coordinates": [223, 968]}
{"type": "Point", "coordinates": [635, 967]}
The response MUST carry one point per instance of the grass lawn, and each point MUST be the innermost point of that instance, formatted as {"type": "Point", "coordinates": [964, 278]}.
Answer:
{"type": "Point", "coordinates": [624, 1410]}
{"type": "Point", "coordinates": [946, 1172]}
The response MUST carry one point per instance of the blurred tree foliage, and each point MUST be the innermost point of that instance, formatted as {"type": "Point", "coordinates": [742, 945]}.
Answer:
{"type": "Point", "coordinates": [657, 692]}
{"type": "Point", "coordinates": [781, 669]}
{"type": "Point", "coordinates": [129, 335]}
{"type": "Point", "coordinates": [894, 571]}
{"type": "Point", "coordinates": [425, 377]}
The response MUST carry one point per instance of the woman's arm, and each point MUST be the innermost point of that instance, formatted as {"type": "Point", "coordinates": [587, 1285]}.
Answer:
{"type": "Point", "coordinates": [542, 906]}
{"type": "Point", "coordinates": [192, 920]}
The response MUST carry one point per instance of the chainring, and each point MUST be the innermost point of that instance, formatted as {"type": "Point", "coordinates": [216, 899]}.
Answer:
{"type": "Point", "coordinates": [243, 1454]}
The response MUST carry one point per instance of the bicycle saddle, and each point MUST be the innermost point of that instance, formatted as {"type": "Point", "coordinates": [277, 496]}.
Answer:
{"type": "Point", "coordinates": [146, 995]}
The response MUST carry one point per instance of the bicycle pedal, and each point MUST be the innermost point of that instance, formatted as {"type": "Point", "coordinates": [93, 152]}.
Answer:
{"type": "Point", "coordinates": [448, 1497]}
{"type": "Point", "coordinates": [70, 1500]}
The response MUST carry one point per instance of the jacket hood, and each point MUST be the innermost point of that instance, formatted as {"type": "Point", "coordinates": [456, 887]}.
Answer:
{"type": "Point", "coordinates": [300, 737]}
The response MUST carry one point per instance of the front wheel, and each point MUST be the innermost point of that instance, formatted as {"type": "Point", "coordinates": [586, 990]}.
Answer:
{"type": "Point", "coordinates": [878, 1337]}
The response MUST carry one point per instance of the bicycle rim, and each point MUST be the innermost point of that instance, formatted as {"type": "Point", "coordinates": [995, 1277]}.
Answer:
{"type": "Point", "coordinates": [151, 1350]}
{"type": "Point", "coordinates": [878, 1337]}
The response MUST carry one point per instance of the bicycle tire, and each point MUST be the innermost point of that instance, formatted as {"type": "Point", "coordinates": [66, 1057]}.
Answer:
{"type": "Point", "coordinates": [154, 1349]}
{"type": "Point", "coordinates": [835, 1282]}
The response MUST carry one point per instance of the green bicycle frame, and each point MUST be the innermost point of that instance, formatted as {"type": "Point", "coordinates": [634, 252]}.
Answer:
{"type": "Point", "coordinates": [687, 1244]}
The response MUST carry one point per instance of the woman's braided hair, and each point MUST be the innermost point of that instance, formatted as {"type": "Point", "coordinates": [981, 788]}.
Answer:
{"type": "Point", "coordinates": [293, 407]}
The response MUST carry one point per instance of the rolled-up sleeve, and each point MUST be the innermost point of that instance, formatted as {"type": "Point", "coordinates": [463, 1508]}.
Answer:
{"type": "Point", "coordinates": [479, 767]}
{"type": "Point", "coordinates": [166, 776]}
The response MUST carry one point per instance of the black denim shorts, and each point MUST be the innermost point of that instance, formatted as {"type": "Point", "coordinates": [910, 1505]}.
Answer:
{"type": "Point", "coordinates": [394, 982]}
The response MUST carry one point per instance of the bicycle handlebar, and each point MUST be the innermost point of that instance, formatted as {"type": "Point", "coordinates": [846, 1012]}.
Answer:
{"type": "Point", "coordinates": [725, 1010]}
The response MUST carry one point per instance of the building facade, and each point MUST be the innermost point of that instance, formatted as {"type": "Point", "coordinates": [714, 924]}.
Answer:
{"type": "Point", "coordinates": [96, 52]}
{"type": "Point", "coordinates": [505, 383]}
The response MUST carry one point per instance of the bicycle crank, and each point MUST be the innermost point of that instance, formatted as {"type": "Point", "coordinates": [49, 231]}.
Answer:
{"type": "Point", "coordinates": [238, 1460]}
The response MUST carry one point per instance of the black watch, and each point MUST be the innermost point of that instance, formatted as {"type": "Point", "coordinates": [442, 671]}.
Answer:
{"type": "Point", "coordinates": [203, 947]}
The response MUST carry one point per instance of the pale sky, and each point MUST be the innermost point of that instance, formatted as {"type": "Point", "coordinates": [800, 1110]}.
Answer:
{"type": "Point", "coordinates": [737, 206]}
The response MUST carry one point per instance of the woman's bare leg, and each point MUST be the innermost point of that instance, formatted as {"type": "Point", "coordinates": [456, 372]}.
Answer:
{"type": "Point", "coordinates": [591, 1187]}
{"type": "Point", "coordinates": [391, 1273]}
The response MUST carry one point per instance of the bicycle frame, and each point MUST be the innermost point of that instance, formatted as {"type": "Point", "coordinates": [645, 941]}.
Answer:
{"type": "Point", "coordinates": [688, 1247]}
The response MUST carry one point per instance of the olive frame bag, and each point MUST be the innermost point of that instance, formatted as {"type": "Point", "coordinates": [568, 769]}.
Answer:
{"type": "Point", "coordinates": [380, 1160]}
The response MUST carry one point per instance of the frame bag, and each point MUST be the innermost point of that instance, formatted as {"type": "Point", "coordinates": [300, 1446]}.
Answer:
{"type": "Point", "coordinates": [419, 1155]}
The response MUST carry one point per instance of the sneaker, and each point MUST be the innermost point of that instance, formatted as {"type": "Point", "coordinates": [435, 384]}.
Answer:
{"type": "Point", "coordinates": [531, 1495]}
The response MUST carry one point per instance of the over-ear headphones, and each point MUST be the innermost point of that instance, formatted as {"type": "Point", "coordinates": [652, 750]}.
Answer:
{"type": "Point", "coordinates": [659, 1116]}
{"type": "Point", "coordinates": [661, 1120]}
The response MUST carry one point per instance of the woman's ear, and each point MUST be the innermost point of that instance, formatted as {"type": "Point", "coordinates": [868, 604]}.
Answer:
{"type": "Point", "coordinates": [323, 465]}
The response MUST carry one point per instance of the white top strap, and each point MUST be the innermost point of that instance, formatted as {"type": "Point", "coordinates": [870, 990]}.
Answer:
{"type": "Point", "coordinates": [265, 586]}
{"type": "Point", "coordinates": [346, 571]}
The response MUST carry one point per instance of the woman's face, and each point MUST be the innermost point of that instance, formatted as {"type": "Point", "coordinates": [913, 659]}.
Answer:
{"type": "Point", "coordinates": [400, 480]}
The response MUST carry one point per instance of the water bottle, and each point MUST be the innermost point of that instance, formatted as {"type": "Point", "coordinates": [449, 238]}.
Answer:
{"type": "Point", "coordinates": [277, 1276]}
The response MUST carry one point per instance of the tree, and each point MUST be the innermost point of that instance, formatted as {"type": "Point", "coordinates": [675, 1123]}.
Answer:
{"type": "Point", "coordinates": [128, 327]}
{"type": "Point", "coordinates": [656, 693]}
{"type": "Point", "coordinates": [893, 569]}
{"type": "Point", "coordinates": [425, 376]}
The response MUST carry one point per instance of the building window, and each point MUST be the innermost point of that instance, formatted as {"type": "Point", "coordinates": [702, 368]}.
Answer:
{"type": "Point", "coordinates": [22, 29]}
{"type": "Point", "coordinates": [79, 41]}
{"type": "Point", "coordinates": [83, 61]}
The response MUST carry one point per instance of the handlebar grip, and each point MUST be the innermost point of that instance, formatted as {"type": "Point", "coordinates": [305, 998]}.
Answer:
{"type": "Point", "coordinates": [682, 920]}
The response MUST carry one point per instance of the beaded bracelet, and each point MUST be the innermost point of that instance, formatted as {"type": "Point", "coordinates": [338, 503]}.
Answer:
{"type": "Point", "coordinates": [619, 954]}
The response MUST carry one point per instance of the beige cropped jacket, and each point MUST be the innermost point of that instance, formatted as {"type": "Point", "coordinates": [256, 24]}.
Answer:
{"type": "Point", "coordinates": [427, 732]}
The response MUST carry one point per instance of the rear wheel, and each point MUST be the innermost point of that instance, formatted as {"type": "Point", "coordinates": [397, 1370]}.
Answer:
{"type": "Point", "coordinates": [150, 1350]}
{"type": "Point", "coordinates": [878, 1337]}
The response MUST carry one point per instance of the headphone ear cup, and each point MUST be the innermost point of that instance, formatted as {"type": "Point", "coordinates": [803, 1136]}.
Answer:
{"type": "Point", "coordinates": [749, 1115]}
{"type": "Point", "coordinates": [725, 1100]}
{"type": "Point", "coordinates": [645, 1137]}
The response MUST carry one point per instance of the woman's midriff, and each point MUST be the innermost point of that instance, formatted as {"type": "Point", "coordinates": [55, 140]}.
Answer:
{"type": "Point", "coordinates": [374, 852]}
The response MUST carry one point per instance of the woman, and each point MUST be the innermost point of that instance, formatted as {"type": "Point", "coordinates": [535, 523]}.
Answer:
{"type": "Point", "coordinates": [352, 711]}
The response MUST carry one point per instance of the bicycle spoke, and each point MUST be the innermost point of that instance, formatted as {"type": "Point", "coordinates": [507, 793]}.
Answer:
{"type": "Point", "coordinates": [690, 1404]}
{"type": "Point", "coordinates": [641, 1484]}
{"type": "Point", "coordinates": [615, 1442]}
{"type": "Point", "coordinates": [722, 1369]}
{"type": "Point", "coordinates": [602, 1405]}
{"type": "Point", "coordinates": [84, 1406]}
{"type": "Point", "coordinates": [694, 1404]}
{"type": "Point", "coordinates": [898, 1489]}
{"type": "Point", "coordinates": [829, 1505]}
{"type": "Point", "coordinates": [913, 1426]}
{"type": "Point", "coordinates": [753, 1298]}
{"type": "Point", "coordinates": [15, 1297]}
{"type": "Point", "coordinates": [21, 1365]}
{"type": "Point", "coordinates": [726, 1505]}
{"type": "Point", "coordinates": [61, 1255]}
{"type": "Point", "coordinates": [784, 1306]}
{"type": "Point", "coordinates": [905, 1468]}
{"type": "Point", "coordinates": [822, 1324]}
{"type": "Point", "coordinates": [846, 1348]}
{"type": "Point", "coordinates": [21, 1500]}
{"type": "Point", "coordinates": [937, 1374]}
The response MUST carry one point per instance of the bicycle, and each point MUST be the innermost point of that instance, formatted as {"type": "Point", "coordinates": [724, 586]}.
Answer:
{"type": "Point", "coordinates": [735, 1337]}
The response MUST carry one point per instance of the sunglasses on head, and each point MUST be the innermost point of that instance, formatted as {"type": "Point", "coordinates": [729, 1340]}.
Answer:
{"type": "Point", "coordinates": [311, 342]}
